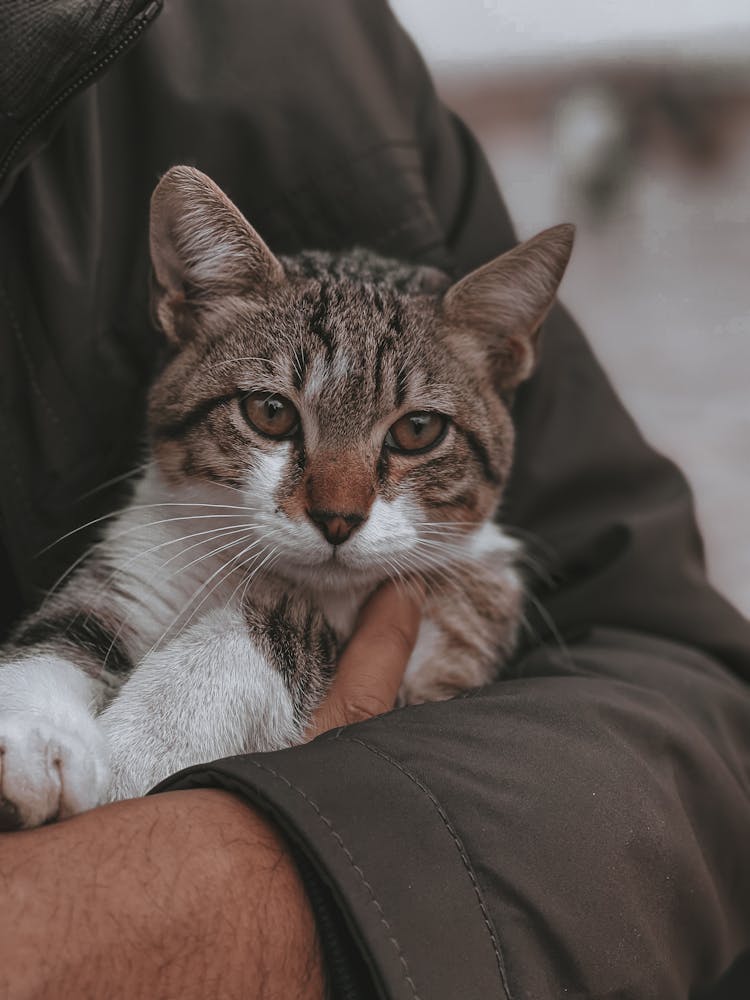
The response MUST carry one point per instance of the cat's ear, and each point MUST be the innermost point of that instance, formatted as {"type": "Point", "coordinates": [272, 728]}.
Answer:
{"type": "Point", "coordinates": [503, 303]}
{"type": "Point", "coordinates": [202, 249]}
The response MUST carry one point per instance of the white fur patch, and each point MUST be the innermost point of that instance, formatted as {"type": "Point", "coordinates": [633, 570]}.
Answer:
{"type": "Point", "coordinates": [489, 539]}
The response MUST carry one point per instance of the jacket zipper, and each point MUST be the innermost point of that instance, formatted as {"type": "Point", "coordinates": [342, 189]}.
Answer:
{"type": "Point", "coordinates": [142, 21]}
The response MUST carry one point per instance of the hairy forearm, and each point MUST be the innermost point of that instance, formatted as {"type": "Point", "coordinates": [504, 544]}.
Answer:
{"type": "Point", "coordinates": [188, 894]}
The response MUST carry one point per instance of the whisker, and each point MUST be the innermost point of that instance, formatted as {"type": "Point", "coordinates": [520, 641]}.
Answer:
{"type": "Point", "coordinates": [549, 621]}
{"type": "Point", "coordinates": [520, 556]}
{"type": "Point", "coordinates": [402, 579]}
{"type": "Point", "coordinates": [115, 479]}
{"type": "Point", "coordinates": [66, 573]}
{"type": "Point", "coordinates": [147, 506]}
{"type": "Point", "coordinates": [453, 555]}
{"type": "Point", "coordinates": [222, 548]}
{"type": "Point", "coordinates": [298, 362]}
{"type": "Point", "coordinates": [529, 536]}
{"type": "Point", "coordinates": [449, 572]}
{"type": "Point", "coordinates": [167, 520]}
{"type": "Point", "coordinates": [245, 582]}
{"type": "Point", "coordinates": [457, 551]}
{"type": "Point", "coordinates": [448, 524]}
{"type": "Point", "coordinates": [402, 565]}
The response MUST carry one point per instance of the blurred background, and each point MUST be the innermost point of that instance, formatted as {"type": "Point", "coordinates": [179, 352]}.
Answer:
{"type": "Point", "coordinates": [633, 121]}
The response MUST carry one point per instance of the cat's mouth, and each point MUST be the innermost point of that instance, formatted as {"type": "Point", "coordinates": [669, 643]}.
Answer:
{"type": "Point", "coordinates": [338, 559]}
{"type": "Point", "coordinates": [335, 568]}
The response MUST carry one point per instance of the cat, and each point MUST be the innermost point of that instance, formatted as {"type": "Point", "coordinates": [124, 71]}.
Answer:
{"type": "Point", "coordinates": [321, 422]}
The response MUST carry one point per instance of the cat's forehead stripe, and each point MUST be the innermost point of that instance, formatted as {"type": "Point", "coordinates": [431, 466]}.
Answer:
{"type": "Point", "coordinates": [402, 384]}
{"type": "Point", "coordinates": [319, 318]}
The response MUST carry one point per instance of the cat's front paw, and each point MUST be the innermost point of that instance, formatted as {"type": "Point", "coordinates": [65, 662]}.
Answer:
{"type": "Point", "coordinates": [49, 769]}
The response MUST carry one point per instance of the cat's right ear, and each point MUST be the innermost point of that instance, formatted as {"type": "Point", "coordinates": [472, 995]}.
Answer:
{"type": "Point", "coordinates": [202, 249]}
{"type": "Point", "coordinates": [500, 306]}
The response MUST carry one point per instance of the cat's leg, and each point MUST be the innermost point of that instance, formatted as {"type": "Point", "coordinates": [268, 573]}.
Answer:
{"type": "Point", "coordinates": [53, 756]}
{"type": "Point", "coordinates": [61, 666]}
{"type": "Point", "coordinates": [445, 664]}
{"type": "Point", "coordinates": [234, 682]}
{"type": "Point", "coordinates": [469, 631]}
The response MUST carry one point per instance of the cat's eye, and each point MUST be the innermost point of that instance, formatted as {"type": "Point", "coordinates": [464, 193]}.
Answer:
{"type": "Point", "coordinates": [270, 414]}
{"type": "Point", "coordinates": [417, 431]}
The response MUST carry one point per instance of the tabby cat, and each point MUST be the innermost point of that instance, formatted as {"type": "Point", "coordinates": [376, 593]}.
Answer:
{"type": "Point", "coordinates": [321, 423]}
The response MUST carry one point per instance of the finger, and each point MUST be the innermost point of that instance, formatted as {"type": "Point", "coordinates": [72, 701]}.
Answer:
{"type": "Point", "coordinates": [372, 666]}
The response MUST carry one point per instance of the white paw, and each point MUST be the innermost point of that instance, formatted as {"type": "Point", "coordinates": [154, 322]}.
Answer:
{"type": "Point", "coordinates": [49, 770]}
{"type": "Point", "coordinates": [53, 756]}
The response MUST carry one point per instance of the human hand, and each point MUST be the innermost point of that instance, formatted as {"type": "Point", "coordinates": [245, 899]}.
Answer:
{"type": "Point", "coordinates": [372, 666]}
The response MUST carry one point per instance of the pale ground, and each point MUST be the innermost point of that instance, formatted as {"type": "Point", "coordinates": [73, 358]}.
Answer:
{"type": "Point", "coordinates": [663, 292]}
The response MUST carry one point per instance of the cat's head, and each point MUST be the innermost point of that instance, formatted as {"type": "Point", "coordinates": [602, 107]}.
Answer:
{"type": "Point", "coordinates": [355, 406]}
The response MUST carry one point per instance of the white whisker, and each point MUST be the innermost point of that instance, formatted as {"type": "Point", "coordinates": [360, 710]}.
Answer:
{"type": "Point", "coordinates": [147, 506]}
{"type": "Point", "coordinates": [549, 621]}
{"type": "Point", "coordinates": [114, 480]}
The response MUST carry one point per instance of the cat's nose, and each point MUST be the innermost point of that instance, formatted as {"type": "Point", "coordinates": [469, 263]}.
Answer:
{"type": "Point", "coordinates": [335, 526]}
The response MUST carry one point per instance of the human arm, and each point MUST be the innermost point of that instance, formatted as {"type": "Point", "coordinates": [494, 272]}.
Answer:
{"type": "Point", "coordinates": [188, 895]}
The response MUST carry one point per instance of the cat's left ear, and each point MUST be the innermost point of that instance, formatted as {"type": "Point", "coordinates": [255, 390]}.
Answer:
{"type": "Point", "coordinates": [202, 249]}
{"type": "Point", "coordinates": [502, 304]}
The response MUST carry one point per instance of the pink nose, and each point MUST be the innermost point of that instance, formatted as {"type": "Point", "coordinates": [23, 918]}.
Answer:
{"type": "Point", "coordinates": [335, 527]}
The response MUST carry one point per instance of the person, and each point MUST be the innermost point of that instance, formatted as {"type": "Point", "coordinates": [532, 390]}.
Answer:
{"type": "Point", "coordinates": [578, 829]}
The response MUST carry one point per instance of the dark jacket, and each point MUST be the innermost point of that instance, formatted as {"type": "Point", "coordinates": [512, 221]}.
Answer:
{"type": "Point", "coordinates": [592, 804]}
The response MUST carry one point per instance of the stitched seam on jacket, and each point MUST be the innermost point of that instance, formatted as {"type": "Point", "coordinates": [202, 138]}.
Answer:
{"type": "Point", "coordinates": [381, 914]}
{"type": "Point", "coordinates": [459, 847]}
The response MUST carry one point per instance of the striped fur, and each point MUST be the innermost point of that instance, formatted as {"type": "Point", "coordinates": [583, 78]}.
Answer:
{"type": "Point", "coordinates": [208, 619]}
